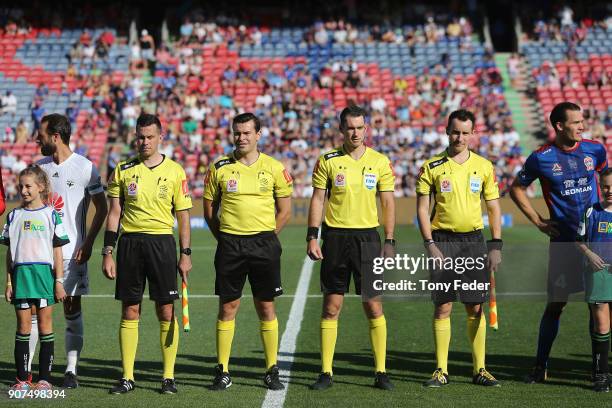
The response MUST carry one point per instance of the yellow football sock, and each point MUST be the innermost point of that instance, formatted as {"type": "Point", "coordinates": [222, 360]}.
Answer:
{"type": "Point", "coordinates": [329, 334]}
{"type": "Point", "coordinates": [168, 341]}
{"type": "Point", "coordinates": [378, 337]}
{"type": "Point", "coordinates": [128, 343]}
{"type": "Point", "coordinates": [269, 338]}
{"type": "Point", "coordinates": [442, 337]}
{"type": "Point", "coordinates": [225, 335]}
{"type": "Point", "coordinates": [477, 332]}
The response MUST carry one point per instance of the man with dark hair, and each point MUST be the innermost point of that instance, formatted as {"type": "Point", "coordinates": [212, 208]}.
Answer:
{"type": "Point", "coordinates": [145, 194]}
{"type": "Point", "coordinates": [351, 176]}
{"type": "Point", "coordinates": [146, 120]}
{"type": "Point", "coordinates": [458, 178]}
{"type": "Point", "coordinates": [253, 191]}
{"type": "Point", "coordinates": [245, 118]}
{"type": "Point", "coordinates": [567, 170]}
{"type": "Point", "coordinates": [74, 183]}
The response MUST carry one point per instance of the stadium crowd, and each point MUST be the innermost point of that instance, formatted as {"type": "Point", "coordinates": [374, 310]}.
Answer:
{"type": "Point", "coordinates": [297, 105]}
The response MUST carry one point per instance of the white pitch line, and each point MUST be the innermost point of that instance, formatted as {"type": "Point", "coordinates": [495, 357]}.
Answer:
{"type": "Point", "coordinates": [276, 399]}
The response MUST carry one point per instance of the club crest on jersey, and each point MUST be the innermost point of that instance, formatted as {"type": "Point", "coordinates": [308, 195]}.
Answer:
{"type": "Point", "coordinates": [340, 180]}
{"type": "Point", "coordinates": [588, 163]}
{"type": "Point", "coordinates": [232, 185]}
{"type": "Point", "coordinates": [132, 189]}
{"type": "Point", "coordinates": [446, 187]}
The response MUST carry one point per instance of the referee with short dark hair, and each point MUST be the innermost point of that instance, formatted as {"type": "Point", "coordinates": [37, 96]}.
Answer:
{"type": "Point", "coordinates": [144, 193]}
{"type": "Point", "coordinates": [253, 191]}
{"type": "Point", "coordinates": [458, 179]}
{"type": "Point", "coordinates": [351, 176]}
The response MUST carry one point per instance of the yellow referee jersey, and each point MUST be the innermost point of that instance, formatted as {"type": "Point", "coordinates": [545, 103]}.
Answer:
{"type": "Point", "coordinates": [247, 193]}
{"type": "Point", "coordinates": [352, 186]}
{"type": "Point", "coordinates": [150, 196]}
{"type": "Point", "coordinates": [457, 190]}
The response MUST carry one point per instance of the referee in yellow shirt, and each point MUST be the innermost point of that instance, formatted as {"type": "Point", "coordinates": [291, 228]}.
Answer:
{"type": "Point", "coordinates": [253, 191]}
{"type": "Point", "coordinates": [457, 179]}
{"type": "Point", "coordinates": [145, 193]}
{"type": "Point", "coordinates": [351, 176]}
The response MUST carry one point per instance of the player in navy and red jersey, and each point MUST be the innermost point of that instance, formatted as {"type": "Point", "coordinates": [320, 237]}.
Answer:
{"type": "Point", "coordinates": [566, 169]}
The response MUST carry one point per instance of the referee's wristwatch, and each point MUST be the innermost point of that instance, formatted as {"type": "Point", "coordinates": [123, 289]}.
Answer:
{"type": "Point", "coordinates": [186, 251]}
{"type": "Point", "coordinates": [107, 250]}
{"type": "Point", "coordinates": [390, 241]}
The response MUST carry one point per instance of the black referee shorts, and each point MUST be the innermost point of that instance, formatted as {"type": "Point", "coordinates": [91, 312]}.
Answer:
{"type": "Point", "coordinates": [346, 252]}
{"type": "Point", "coordinates": [460, 247]}
{"type": "Point", "coordinates": [254, 256]}
{"type": "Point", "coordinates": [146, 257]}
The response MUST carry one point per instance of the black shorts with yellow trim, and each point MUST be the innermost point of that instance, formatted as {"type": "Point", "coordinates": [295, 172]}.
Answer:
{"type": "Point", "coordinates": [256, 257]}
{"type": "Point", "coordinates": [348, 252]}
{"type": "Point", "coordinates": [464, 277]}
{"type": "Point", "coordinates": [146, 257]}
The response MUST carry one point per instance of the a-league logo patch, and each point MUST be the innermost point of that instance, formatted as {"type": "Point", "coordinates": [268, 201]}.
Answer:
{"type": "Point", "coordinates": [445, 186]}
{"type": "Point", "coordinates": [556, 168]}
{"type": "Point", "coordinates": [232, 186]}
{"type": "Point", "coordinates": [340, 180]}
{"type": "Point", "coordinates": [588, 163]}
{"type": "Point", "coordinates": [132, 189]}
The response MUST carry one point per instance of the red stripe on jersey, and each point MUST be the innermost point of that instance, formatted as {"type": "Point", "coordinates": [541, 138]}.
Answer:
{"type": "Point", "coordinates": [288, 178]}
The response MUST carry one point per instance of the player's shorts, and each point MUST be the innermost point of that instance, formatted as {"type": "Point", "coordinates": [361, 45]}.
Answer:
{"type": "Point", "coordinates": [598, 286]}
{"type": "Point", "coordinates": [146, 257]}
{"type": "Point", "coordinates": [457, 246]}
{"type": "Point", "coordinates": [348, 252]}
{"type": "Point", "coordinates": [565, 266]}
{"type": "Point", "coordinates": [24, 304]}
{"type": "Point", "coordinates": [254, 256]}
{"type": "Point", "coordinates": [76, 279]}
{"type": "Point", "coordinates": [33, 283]}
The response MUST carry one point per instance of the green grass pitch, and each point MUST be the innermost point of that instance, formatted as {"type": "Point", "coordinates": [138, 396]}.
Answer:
{"type": "Point", "coordinates": [410, 346]}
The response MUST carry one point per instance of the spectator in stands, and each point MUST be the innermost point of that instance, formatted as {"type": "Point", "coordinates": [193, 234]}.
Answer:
{"type": "Point", "coordinates": [513, 69]}
{"type": "Point", "coordinates": [8, 160]}
{"type": "Point", "coordinates": [9, 104]}
{"type": "Point", "coordinates": [21, 132]}
{"type": "Point", "coordinates": [19, 165]}
{"type": "Point", "coordinates": [37, 112]}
